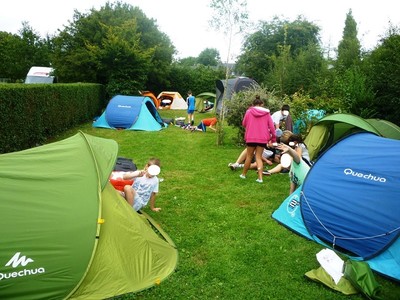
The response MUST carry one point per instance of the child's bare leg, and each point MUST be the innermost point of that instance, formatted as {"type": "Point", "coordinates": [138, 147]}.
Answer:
{"type": "Point", "coordinates": [129, 194]}
{"type": "Point", "coordinates": [259, 162]}
{"type": "Point", "coordinates": [249, 156]}
{"type": "Point", "coordinates": [276, 169]}
{"type": "Point", "coordinates": [242, 157]}
{"type": "Point", "coordinates": [292, 187]}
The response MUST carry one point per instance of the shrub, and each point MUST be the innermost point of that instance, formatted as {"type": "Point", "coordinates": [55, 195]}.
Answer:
{"type": "Point", "coordinates": [240, 102]}
{"type": "Point", "coordinates": [32, 113]}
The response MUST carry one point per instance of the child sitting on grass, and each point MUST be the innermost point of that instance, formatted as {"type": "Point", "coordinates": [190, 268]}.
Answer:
{"type": "Point", "coordinates": [145, 186]}
{"type": "Point", "coordinates": [298, 167]}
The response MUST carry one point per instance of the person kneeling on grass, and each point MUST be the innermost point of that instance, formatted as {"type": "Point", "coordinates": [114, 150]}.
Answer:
{"type": "Point", "coordinates": [145, 186]}
{"type": "Point", "coordinates": [210, 123]}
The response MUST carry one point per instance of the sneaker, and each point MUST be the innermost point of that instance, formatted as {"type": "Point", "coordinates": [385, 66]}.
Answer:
{"type": "Point", "coordinates": [233, 166]}
{"type": "Point", "coordinates": [259, 180]}
{"type": "Point", "coordinates": [266, 173]}
{"type": "Point", "coordinates": [242, 176]}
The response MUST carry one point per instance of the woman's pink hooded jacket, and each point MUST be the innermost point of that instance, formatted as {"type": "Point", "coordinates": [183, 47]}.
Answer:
{"type": "Point", "coordinates": [259, 126]}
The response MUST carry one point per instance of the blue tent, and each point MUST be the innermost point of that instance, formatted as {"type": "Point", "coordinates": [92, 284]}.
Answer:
{"type": "Point", "coordinates": [350, 202]}
{"type": "Point", "coordinates": [130, 113]}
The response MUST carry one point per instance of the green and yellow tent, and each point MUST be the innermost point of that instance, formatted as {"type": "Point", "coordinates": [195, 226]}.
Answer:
{"type": "Point", "coordinates": [66, 233]}
{"type": "Point", "coordinates": [202, 99]}
{"type": "Point", "coordinates": [333, 127]}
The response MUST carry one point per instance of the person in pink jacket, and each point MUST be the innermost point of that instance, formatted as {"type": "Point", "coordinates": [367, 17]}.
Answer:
{"type": "Point", "coordinates": [260, 131]}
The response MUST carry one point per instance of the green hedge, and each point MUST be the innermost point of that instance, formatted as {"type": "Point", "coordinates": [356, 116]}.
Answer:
{"type": "Point", "coordinates": [32, 113]}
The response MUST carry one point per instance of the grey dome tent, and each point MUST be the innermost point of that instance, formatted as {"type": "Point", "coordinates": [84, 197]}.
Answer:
{"type": "Point", "coordinates": [234, 85]}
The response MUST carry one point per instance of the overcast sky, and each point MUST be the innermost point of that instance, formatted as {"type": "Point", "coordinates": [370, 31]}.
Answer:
{"type": "Point", "coordinates": [186, 21]}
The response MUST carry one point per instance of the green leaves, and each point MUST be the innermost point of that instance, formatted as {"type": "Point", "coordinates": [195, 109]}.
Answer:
{"type": "Point", "coordinates": [280, 52]}
{"type": "Point", "coordinates": [18, 53]}
{"type": "Point", "coordinates": [349, 49]}
{"type": "Point", "coordinates": [116, 46]}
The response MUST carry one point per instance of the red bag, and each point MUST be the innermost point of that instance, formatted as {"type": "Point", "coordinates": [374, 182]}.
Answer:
{"type": "Point", "coordinates": [116, 179]}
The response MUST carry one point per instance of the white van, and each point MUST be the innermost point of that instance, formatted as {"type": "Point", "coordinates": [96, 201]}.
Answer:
{"type": "Point", "coordinates": [40, 75]}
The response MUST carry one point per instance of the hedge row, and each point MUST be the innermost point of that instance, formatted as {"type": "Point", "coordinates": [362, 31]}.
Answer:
{"type": "Point", "coordinates": [32, 113]}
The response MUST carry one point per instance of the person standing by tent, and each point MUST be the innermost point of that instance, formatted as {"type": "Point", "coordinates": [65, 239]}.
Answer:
{"type": "Point", "coordinates": [269, 156]}
{"type": "Point", "coordinates": [282, 118]}
{"type": "Point", "coordinates": [145, 187]}
{"type": "Point", "coordinates": [191, 102]}
{"type": "Point", "coordinates": [259, 131]}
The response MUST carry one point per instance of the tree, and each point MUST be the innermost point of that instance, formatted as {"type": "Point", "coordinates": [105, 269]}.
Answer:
{"type": "Point", "coordinates": [383, 74]}
{"type": "Point", "coordinates": [231, 16]}
{"type": "Point", "coordinates": [18, 53]}
{"type": "Point", "coordinates": [356, 96]}
{"type": "Point", "coordinates": [116, 46]}
{"type": "Point", "coordinates": [189, 61]}
{"type": "Point", "coordinates": [279, 73]}
{"type": "Point", "coordinates": [209, 57]}
{"type": "Point", "coordinates": [349, 49]}
{"type": "Point", "coordinates": [350, 82]}
{"type": "Point", "coordinates": [264, 48]}
{"type": "Point", "coordinates": [198, 78]}
{"type": "Point", "coordinates": [9, 45]}
{"type": "Point", "coordinates": [302, 72]}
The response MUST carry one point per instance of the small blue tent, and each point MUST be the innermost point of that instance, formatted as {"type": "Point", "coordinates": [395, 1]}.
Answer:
{"type": "Point", "coordinates": [130, 113]}
{"type": "Point", "coordinates": [350, 201]}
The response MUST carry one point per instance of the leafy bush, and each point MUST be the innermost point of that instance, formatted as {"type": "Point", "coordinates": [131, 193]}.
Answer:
{"type": "Point", "coordinates": [30, 114]}
{"type": "Point", "coordinates": [301, 102]}
{"type": "Point", "coordinates": [240, 102]}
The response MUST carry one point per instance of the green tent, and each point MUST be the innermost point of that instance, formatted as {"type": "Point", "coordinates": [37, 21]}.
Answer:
{"type": "Point", "coordinates": [333, 127]}
{"type": "Point", "coordinates": [205, 97]}
{"type": "Point", "coordinates": [66, 233]}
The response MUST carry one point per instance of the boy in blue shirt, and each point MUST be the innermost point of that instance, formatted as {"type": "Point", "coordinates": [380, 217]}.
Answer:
{"type": "Point", "coordinates": [191, 102]}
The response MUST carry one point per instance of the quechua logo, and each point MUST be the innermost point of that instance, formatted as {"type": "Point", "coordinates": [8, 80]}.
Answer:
{"type": "Point", "coordinates": [16, 262]}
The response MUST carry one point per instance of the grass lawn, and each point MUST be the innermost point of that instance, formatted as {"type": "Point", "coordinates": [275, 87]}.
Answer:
{"type": "Point", "coordinates": [229, 246]}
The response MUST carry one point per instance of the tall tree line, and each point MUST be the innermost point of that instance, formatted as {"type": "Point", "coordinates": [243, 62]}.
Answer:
{"type": "Point", "coordinates": [286, 57]}
{"type": "Point", "coordinates": [118, 46]}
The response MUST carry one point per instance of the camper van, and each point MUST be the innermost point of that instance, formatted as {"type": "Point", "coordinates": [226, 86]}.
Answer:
{"type": "Point", "coordinates": [40, 75]}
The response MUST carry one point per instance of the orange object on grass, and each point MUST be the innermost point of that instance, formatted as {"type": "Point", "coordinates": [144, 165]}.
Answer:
{"type": "Point", "coordinates": [116, 179]}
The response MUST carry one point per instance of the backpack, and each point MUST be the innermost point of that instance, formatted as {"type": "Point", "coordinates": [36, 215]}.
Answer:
{"type": "Point", "coordinates": [125, 165]}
